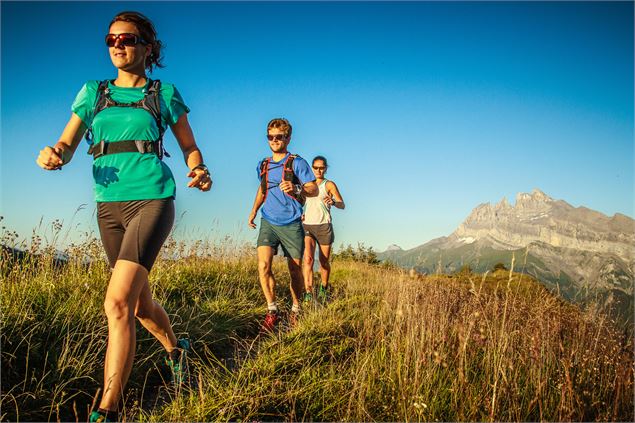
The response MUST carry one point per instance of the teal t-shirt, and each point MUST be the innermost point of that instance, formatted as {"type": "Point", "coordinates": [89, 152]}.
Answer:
{"type": "Point", "coordinates": [129, 176]}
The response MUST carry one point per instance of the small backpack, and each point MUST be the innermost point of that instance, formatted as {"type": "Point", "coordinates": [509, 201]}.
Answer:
{"type": "Point", "coordinates": [150, 103]}
{"type": "Point", "coordinates": [287, 175]}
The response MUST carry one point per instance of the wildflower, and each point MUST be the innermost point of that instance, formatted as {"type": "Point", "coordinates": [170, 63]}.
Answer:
{"type": "Point", "coordinates": [437, 358]}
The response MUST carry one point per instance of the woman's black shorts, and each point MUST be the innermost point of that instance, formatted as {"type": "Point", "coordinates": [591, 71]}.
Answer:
{"type": "Point", "coordinates": [322, 233]}
{"type": "Point", "coordinates": [135, 230]}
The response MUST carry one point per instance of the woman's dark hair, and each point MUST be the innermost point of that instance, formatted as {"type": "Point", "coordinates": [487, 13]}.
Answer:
{"type": "Point", "coordinates": [147, 32]}
{"type": "Point", "coordinates": [320, 158]}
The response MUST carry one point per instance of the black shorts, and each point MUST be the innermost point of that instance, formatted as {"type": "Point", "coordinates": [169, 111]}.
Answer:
{"type": "Point", "coordinates": [322, 233]}
{"type": "Point", "coordinates": [135, 230]}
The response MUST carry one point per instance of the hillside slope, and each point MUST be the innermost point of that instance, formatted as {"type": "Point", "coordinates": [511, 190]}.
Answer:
{"type": "Point", "coordinates": [389, 347]}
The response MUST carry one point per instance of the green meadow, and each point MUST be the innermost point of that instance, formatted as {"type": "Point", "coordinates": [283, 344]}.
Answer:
{"type": "Point", "coordinates": [389, 346]}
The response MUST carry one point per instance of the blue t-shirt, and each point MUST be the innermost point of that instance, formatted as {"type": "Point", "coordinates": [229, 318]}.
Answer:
{"type": "Point", "coordinates": [280, 209]}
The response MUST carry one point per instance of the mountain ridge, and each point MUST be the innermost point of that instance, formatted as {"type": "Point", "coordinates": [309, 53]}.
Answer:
{"type": "Point", "coordinates": [576, 250]}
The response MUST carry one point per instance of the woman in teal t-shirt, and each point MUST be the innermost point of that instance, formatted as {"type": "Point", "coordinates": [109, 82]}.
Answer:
{"type": "Point", "coordinates": [134, 190]}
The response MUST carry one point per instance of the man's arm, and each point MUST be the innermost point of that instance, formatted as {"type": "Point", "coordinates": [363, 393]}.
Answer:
{"type": "Point", "coordinates": [310, 189]}
{"type": "Point", "coordinates": [258, 201]}
{"type": "Point", "coordinates": [303, 172]}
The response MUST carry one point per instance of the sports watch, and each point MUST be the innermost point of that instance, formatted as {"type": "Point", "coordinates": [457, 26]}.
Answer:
{"type": "Point", "coordinates": [202, 167]}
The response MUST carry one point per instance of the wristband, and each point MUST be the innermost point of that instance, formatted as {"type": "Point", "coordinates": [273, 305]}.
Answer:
{"type": "Point", "coordinates": [202, 167]}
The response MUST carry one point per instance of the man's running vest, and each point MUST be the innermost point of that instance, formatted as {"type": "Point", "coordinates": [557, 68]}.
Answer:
{"type": "Point", "coordinates": [287, 175]}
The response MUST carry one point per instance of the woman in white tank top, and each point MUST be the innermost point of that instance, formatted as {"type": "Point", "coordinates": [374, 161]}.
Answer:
{"type": "Point", "coordinates": [318, 229]}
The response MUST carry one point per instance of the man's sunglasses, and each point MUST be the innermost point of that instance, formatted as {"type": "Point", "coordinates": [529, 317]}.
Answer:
{"type": "Point", "coordinates": [319, 167]}
{"type": "Point", "coordinates": [125, 39]}
{"type": "Point", "coordinates": [277, 137]}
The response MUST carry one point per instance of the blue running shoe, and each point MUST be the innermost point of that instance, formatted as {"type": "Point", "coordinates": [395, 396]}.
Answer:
{"type": "Point", "coordinates": [323, 294]}
{"type": "Point", "coordinates": [97, 417]}
{"type": "Point", "coordinates": [177, 362]}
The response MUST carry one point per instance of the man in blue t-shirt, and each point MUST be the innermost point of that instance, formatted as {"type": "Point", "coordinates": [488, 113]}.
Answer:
{"type": "Point", "coordinates": [284, 180]}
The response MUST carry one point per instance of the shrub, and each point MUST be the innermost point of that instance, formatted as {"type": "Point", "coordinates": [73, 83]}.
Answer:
{"type": "Point", "coordinates": [499, 266]}
{"type": "Point", "coordinates": [360, 254]}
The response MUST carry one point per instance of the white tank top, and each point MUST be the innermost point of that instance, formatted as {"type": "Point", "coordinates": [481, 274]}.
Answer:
{"type": "Point", "coordinates": [315, 211]}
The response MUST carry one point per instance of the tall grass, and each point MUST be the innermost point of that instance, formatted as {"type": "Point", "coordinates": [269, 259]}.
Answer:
{"type": "Point", "coordinates": [395, 348]}
{"type": "Point", "coordinates": [389, 346]}
{"type": "Point", "coordinates": [54, 329]}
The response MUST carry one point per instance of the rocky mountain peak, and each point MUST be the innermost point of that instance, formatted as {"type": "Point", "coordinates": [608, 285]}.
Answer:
{"type": "Point", "coordinates": [536, 217]}
{"type": "Point", "coordinates": [535, 198]}
{"type": "Point", "coordinates": [503, 204]}
{"type": "Point", "coordinates": [394, 247]}
{"type": "Point", "coordinates": [528, 204]}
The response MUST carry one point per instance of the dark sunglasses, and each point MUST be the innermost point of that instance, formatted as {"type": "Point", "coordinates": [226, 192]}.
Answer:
{"type": "Point", "coordinates": [277, 137]}
{"type": "Point", "coordinates": [125, 39]}
{"type": "Point", "coordinates": [319, 167]}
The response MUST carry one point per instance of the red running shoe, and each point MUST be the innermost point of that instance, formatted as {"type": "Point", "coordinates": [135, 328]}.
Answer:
{"type": "Point", "coordinates": [271, 320]}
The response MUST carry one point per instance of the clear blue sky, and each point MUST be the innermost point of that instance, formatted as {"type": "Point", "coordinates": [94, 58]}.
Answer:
{"type": "Point", "coordinates": [424, 110]}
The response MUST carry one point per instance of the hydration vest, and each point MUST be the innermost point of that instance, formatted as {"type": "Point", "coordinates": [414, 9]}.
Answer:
{"type": "Point", "coordinates": [287, 175]}
{"type": "Point", "coordinates": [150, 103]}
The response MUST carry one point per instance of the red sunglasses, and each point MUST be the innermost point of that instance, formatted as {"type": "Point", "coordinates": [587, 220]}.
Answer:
{"type": "Point", "coordinates": [126, 39]}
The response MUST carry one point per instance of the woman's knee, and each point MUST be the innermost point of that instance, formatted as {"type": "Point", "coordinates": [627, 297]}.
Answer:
{"type": "Point", "coordinates": [117, 308]}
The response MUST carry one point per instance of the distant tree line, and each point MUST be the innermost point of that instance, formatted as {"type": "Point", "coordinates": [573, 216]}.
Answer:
{"type": "Point", "coordinates": [361, 253]}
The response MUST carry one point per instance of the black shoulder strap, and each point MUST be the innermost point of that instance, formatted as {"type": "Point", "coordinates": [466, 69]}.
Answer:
{"type": "Point", "coordinates": [264, 178]}
{"type": "Point", "coordinates": [100, 104]}
{"type": "Point", "coordinates": [152, 103]}
{"type": "Point", "coordinates": [102, 97]}
{"type": "Point", "coordinates": [289, 175]}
